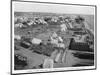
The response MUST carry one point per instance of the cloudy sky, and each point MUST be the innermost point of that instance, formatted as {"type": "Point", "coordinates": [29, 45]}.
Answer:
{"type": "Point", "coordinates": [52, 8]}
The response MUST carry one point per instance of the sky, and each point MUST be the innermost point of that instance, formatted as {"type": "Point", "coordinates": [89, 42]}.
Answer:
{"type": "Point", "coordinates": [52, 8]}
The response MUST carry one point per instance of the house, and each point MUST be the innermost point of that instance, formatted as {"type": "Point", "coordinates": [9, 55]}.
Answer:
{"type": "Point", "coordinates": [36, 41]}
{"type": "Point", "coordinates": [17, 37]}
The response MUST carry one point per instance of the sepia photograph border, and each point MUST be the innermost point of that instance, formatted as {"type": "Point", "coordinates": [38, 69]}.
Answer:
{"type": "Point", "coordinates": [54, 70]}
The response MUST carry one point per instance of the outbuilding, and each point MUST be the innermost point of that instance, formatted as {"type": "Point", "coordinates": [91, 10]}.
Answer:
{"type": "Point", "coordinates": [36, 41]}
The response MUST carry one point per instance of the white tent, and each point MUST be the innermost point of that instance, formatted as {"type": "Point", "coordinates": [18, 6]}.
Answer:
{"type": "Point", "coordinates": [63, 27]}
{"type": "Point", "coordinates": [36, 41]}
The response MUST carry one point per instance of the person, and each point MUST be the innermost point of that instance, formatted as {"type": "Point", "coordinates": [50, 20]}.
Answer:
{"type": "Point", "coordinates": [53, 54]}
{"type": "Point", "coordinates": [60, 39]}
{"type": "Point", "coordinates": [63, 27]}
{"type": "Point", "coordinates": [64, 56]}
{"type": "Point", "coordinates": [48, 63]}
{"type": "Point", "coordinates": [58, 56]}
{"type": "Point", "coordinates": [53, 38]}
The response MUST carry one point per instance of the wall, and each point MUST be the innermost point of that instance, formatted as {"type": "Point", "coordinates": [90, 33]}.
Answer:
{"type": "Point", "coordinates": [5, 37]}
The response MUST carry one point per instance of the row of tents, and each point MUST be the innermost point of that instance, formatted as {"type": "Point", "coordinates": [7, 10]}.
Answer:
{"type": "Point", "coordinates": [22, 21]}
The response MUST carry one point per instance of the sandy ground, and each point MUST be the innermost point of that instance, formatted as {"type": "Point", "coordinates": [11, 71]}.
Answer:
{"type": "Point", "coordinates": [35, 59]}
